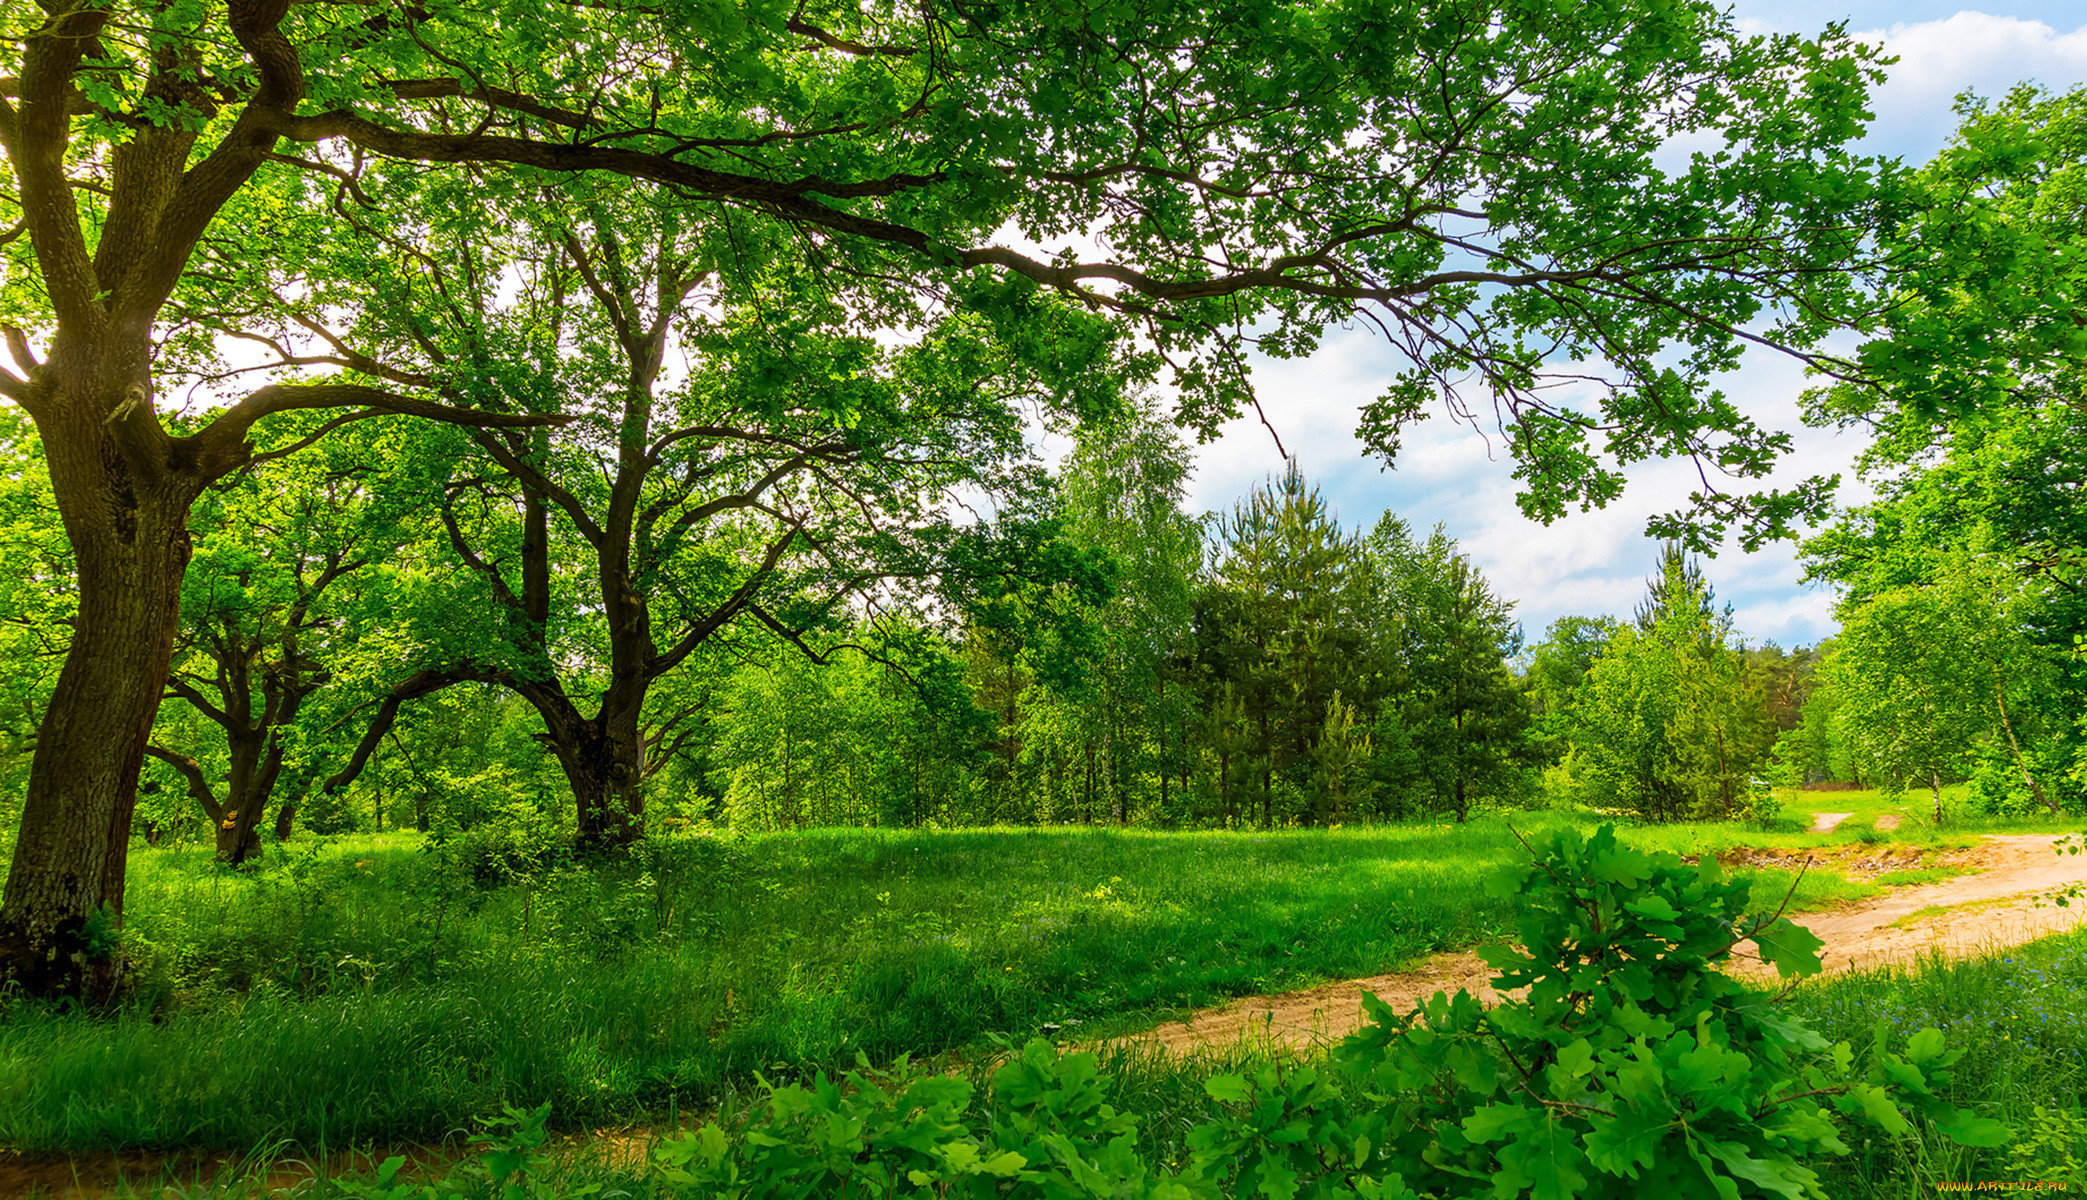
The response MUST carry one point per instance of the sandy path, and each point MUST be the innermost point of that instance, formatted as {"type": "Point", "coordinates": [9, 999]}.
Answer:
{"type": "Point", "coordinates": [1994, 908]}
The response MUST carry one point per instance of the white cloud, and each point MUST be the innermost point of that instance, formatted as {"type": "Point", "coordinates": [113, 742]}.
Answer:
{"type": "Point", "coordinates": [1597, 562]}
{"type": "Point", "coordinates": [1973, 51]}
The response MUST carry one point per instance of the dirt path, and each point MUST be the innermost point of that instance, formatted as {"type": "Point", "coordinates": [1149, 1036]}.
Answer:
{"type": "Point", "coordinates": [1993, 908]}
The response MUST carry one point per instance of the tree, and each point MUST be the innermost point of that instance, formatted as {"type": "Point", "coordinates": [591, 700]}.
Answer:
{"type": "Point", "coordinates": [1987, 281]}
{"type": "Point", "coordinates": [1121, 489]}
{"type": "Point", "coordinates": [256, 638]}
{"type": "Point", "coordinates": [1124, 485]}
{"type": "Point", "coordinates": [1466, 723]}
{"type": "Point", "coordinates": [794, 465]}
{"type": "Point", "coordinates": [1973, 386]}
{"type": "Point", "coordinates": [1481, 183]}
{"type": "Point", "coordinates": [36, 602]}
{"type": "Point", "coordinates": [1295, 639]}
{"type": "Point", "coordinates": [1556, 668]}
{"type": "Point", "coordinates": [1921, 674]}
{"type": "Point", "coordinates": [1666, 720]}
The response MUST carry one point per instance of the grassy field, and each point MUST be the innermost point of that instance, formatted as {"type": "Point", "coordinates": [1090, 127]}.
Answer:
{"type": "Point", "coordinates": [375, 988]}
{"type": "Point", "coordinates": [2014, 1010]}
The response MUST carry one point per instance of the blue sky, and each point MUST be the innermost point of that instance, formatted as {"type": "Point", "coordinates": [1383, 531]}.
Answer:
{"type": "Point", "coordinates": [1597, 562]}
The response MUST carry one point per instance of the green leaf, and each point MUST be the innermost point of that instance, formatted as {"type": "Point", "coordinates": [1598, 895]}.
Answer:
{"type": "Point", "coordinates": [1876, 1104]}
{"type": "Point", "coordinates": [1769, 1177]}
{"type": "Point", "coordinates": [1497, 1121]}
{"type": "Point", "coordinates": [1791, 947]}
{"type": "Point", "coordinates": [1967, 1130]}
{"type": "Point", "coordinates": [1005, 1164]}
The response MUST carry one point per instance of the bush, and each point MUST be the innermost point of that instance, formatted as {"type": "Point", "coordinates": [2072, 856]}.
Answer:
{"type": "Point", "coordinates": [499, 853]}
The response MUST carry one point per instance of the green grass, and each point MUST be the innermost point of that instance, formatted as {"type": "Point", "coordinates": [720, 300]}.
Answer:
{"type": "Point", "coordinates": [371, 990]}
{"type": "Point", "coordinates": [1919, 875]}
{"type": "Point", "coordinates": [367, 989]}
{"type": "Point", "coordinates": [2014, 1012]}
{"type": "Point", "coordinates": [2018, 1017]}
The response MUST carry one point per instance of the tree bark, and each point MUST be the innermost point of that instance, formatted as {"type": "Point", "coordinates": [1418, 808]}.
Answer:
{"type": "Point", "coordinates": [129, 533]}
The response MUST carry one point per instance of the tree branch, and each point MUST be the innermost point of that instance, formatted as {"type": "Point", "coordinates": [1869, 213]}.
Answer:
{"type": "Point", "coordinates": [221, 446]}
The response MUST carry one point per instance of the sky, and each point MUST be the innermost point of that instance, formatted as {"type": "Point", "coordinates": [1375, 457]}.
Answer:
{"type": "Point", "coordinates": [1597, 562]}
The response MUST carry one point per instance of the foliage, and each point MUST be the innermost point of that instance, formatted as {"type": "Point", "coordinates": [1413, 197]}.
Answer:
{"type": "Point", "coordinates": [1971, 387]}
{"type": "Point", "coordinates": [35, 595]}
{"type": "Point", "coordinates": [2052, 1148]}
{"type": "Point", "coordinates": [1554, 670]}
{"type": "Point", "coordinates": [1667, 721]}
{"type": "Point", "coordinates": [1466, 727]}
{"type": "Point", "coordinates": [1921, 674]}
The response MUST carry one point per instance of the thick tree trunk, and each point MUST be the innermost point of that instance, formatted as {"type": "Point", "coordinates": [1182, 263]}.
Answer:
{"type": "Point", "coordinates": [607, 788]}
{"type": "Point", "coordinates": [605, 767]}
{"type": "Point", "coordinates": [131, 545]}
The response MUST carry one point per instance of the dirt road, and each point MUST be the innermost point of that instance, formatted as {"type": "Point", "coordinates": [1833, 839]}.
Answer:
{"type": "Point", "coordinates": [1993, 908]}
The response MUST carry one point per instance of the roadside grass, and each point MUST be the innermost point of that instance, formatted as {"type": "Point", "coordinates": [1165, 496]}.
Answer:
{"type": "Point", "coordinates": [2016, 1014]}
{"type": "Point", "coordinates": [367, 988]}
{"type": "Point", "coordinates": [1919, 875]}
{"type": "Point", "coordinates": [1915, 810]}
{"type": "Point", "coordinates": [2012, 1011]}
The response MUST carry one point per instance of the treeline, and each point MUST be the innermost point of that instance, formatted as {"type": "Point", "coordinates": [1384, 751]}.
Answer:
{"type": "Point", "coordinates": [1128, 664]}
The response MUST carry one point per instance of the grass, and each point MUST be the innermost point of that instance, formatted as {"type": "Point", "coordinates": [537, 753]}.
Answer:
{"type": "Point", "coordinates": [1919, 875]}
{"type": "Point", "coordinates": [2017, 1015]}
{"type": "Point", "coordinates": [372, 989]}
{"type": "Point", "coordinates": [2013, 1011]}
{"type": "Point", "coordinates": [369, 989]}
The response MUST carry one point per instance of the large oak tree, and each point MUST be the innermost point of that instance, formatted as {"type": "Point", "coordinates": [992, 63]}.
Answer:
{"type": "Point", "coordinates": [1615, 198]}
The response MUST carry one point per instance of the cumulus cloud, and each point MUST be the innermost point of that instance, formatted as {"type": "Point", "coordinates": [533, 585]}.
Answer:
{"type": "Point", "coordinates": [1969, 51]}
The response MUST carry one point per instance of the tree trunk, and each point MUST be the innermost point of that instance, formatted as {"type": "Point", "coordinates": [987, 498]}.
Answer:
{"type": "Point", "coordinates": [130, 541]}
{"type": "Point", "coordinates": [607, 775]}
{"type": "Point", "coordinates": [247, 784]}
{"type": "Point", "coordinates": [2021, 761]}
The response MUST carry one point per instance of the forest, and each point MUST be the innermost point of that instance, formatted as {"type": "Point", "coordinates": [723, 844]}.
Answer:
{"type": "Point", "coordinates": [537, 599]}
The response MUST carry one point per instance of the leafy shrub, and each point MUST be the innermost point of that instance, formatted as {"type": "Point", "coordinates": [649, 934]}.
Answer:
{"type": "Point", "coordinates": [2052, 1150]}
{"type": "Point", "coordinates": [1764, 808]}
{"type": "Point", "coordinates": [500, 853]}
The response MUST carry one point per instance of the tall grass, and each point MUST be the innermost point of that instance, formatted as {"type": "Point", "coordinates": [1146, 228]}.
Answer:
{"type": "Point", "coordinates": [372, 988]}
{"type": "Point", "coordinates": [2012, 1011]}
{"type": "Point", "coordinates": [2018, 1016]}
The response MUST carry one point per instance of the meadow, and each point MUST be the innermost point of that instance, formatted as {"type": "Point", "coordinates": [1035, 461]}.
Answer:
{"type": "Point", "coordinates": [386, 989]}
